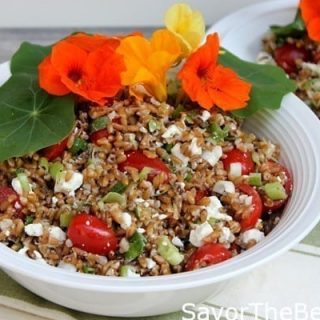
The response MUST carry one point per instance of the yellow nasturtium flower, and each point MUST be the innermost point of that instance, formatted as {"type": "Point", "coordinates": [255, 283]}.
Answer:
{"type": "Point", "coordinates": [187, 25]}
{"type": "Point", "coordinates": [147, 62]}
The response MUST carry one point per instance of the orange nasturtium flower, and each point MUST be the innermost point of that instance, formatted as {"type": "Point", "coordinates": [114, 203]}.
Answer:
{"type": "Point", "coordinates": [147, 62]}
{"type": "Point", "coordinates": [310, 10]}
{"type": "Point", "coordinates": [187, 25]}
{"type": "Point", "coordinates": [209, 83]}
{"type": "Point", "coordinates": [85, 65]}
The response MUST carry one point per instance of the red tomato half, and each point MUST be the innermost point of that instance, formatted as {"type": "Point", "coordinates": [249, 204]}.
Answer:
{"type": "Point", "coordinates": [97, 135]}
{"type": "Point", "coordinates": [276, 169]}
{"type": "Point", "coordinates": [138, 160]}
{"type": "Point", "coordinates": [92, 234]}
{"type": "Point", "coordinates": [207, 255]}
{"type": "Point", "coordinates": [5, 193]}
{"type": "Point", "coordinates": [55, 151]}
{"type": "Point", "coordinates": [288, 55]}
{"type": "Point", "coordinates": [250, 222]}
{"type": "Point", "coordinates": [244, 158]}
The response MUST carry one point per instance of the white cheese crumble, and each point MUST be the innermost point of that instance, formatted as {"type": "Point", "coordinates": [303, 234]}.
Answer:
{"type": "Point", "coordinates": [132, 274]}
{"type": "Point", "coordinates": [150, 263]}
{"type": "Point", "coordinates": [5, 225]}
{"type": "Point", "coordinates": [176, 151]}
{"type": "Point", "coordinates": [172, 131]}
{"type": "Point", "coordinates": [199, 233]}
{"type": "Point", "coordinates": [17, 187]}
{"type": "Point", "coordinates": [123, 245]}
{"type": "Point", "coordinates": [213, 210]}
{"type": "Point", "coordinates": [54, 200]}
{"type": "Point", "coordinates": [226, 236]}
{"type": "Point", "coordinates": [67, 266]}
{"type": "Point", "coordinates": [205, 116]}
{"type": "Point", "coordinates": [141, 230]}
{"type": "Point", "coordinates": [245, 199]}
{"type": "Point", "coordinates": [34, 229]}
{"type": "Point", "coordinates": [194, 148]}
{"type": "Point", "coordinates": [112, 115]}
{"type": "Point", "coordinates": [222, 187]}
{"type": "Point", "coordinates": [177, 242]}
{"type": "Point", "coordinates": [126, 220]}
{"type": "Point", "coordinates": [57, 233]}
{"type": "Point", "coordinates": [252, 234]}
{"type": "Point", "coordinates": [213, 156]}
{"type": "Point", "coordinates": [68, 187]}
{"type": "Point", "coordinates": [235, 169]}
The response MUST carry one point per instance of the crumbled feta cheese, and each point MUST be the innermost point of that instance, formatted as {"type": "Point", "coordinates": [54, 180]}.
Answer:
{"type": "Point", "coordinates": [5, 225]}
{"type": "Point", "coordinates": [199, 233]}
{"type": "Point", "coordinates": [265, 58]}
{"type": "Point", "coordinates": [126, 220]}
{"type": "Point", "coordinates": [141, 230]}
{"type": "Point", "coordinates": [213, 156]}
{"type": "Point", "coordinates": [163, 216]}
{"type": "Point", "coordinates": [54, 200]}
{"type": "Point", "coordinates": [194, 148]}
{"type": "Point", "coordinates": [181, 185]}
{"type": "Point", "coordinates": [226, 236]}
{"type": "Point", "coordinates": [68, 187]}
{"type": "Point", "coordinates": [69, 243]}
{"type": "Point", "coordinates": [131, 273]}
{"type": "Point", "coordinates": [252, 234]}
{"type": "Point", "coordinates": [222, 187]}
{"type": "Point", "coordinates": [176, 151]}
{"type": "Point", "coordinates": [235, 169]}
{"type": "Point", "coordinates": [57, 233]}
{"type": "Point", "coordinates": [123, 245]}
{"type": "Point", "coordinates": [314, 68]}
{"type": "Point", "coordinates": [172, 131]}
{"type": "Point", "coordinates": [67, 266]}
{"type": "Point", "coordinates": [213, 210]}
{"type": "Point", "coordinates": [112, 115]}
{"type": "Point", "coordinates": [245, 199]}
{"type": "Point", "coordinates": [34, 229]}
{"type": "Point", "coordinates": [17, 187]}
{"type": "Point", "coordinates": [177, 242]}
{"type": "Point", "coordinates": [205, 116]}
{"type": "Point", "coordinates": [143, 130]}
{"type": "Point", "coordinates": [150, 263]}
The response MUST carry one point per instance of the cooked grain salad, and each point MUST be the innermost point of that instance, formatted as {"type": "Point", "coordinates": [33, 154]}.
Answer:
{"type": "Point", "coordinates": [163, 183]}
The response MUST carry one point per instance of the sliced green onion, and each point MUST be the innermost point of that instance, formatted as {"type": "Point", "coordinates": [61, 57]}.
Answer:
{"type": "Point", "coordinates": [168, 147]}
{"type": "Point", "coordinates": [99, 123]}
{"type": "Point", "coordinates": [191, 116]}
{"type": "Point", "coordinates": [25, 185]}
{"type": "Point", "coordinates": [128, 271]}
{"type": "Point", "coordinates": [138, 211]}
{"type": "Point", "coordinates": [188, 176]}
{"type": "Point", "coordinates": [144, 173]}
{"type": "Point", "coordinates": [44, 164]}
{"type": "Point", "coordinates": [212, 221]}
{"type": "Point", "coordinates": [89, 270]}
{"type": "Point", "coordinates": [275, 191]}
{"type": "Point", "coordinates": [19, 170]}
{"type": "Point", "coordinates": [153, 125]}
{"type": "Point", "coordinates": [55, 169]}
{"type": "Point", "coordinates": [119, 187]}
{"type": "Point", "coordinates": [217, 133]}
{"type": "Point", "coordinates": [79, 145]}
{"type": "Point", "coordinates": [255, 179]}
{"type": "Point", "coordinates": [114, 197]}
{"type": "Point", "coordinates": [28, 220]}
{"type": "Point", "coordinates": [65, 219]}
{"type": "Point", "coordinates": [168, 251]}
{"type": "Point", "coordinates": [177, 112]}
{"type": "Point", "coordinates": [136, 246]}
{"type": "Point", "coordinates": [256, 158]}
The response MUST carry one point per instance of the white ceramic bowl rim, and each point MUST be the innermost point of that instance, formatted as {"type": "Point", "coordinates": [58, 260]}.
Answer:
{"type": "Point", "coordinates": [262, 252]}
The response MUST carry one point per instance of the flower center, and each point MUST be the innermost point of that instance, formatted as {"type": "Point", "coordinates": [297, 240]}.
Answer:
{"type": "Point", "coordinates": [75, 75]}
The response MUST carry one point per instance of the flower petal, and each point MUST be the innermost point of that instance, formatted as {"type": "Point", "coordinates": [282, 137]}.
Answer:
{"type": "Point", "coordinates": [50, 80]}
{"type": "Point", "coordinates": [310, 10]}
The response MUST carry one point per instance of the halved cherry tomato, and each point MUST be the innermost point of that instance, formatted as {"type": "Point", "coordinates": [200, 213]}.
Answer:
{"type": "Point", "coordinates": [136, 159]}
{"type": "Point", "coordinates": [5, 193]}
{"type": "Point", "coordinates": [201, 194]}
{"type": "Point", "coordinates": [255, 214]}
{"type": "Point", "coordinates": [97, 135]}
{"type": "Point", "coordinates": [234, 156]}
{"type": "Point", "coordinates": [288, 55]}
{"type": "Point", "coordinates": [55, 151]}
{"type": "Point", "coordinates": [207, 255]}
{"type": "Point", "coordinates": [276, 169]}
{"type": "Point", "coordinates": [92, 234]}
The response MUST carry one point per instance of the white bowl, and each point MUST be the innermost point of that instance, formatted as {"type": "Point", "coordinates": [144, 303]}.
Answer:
{"type": "Point", "coordinates": [296, 129]}
{"type": "Point", "coordinates": [242, 32]}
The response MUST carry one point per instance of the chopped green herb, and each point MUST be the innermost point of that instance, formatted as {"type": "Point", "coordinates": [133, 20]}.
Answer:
{"type": "Point", "coordinates": [136, 246]}
{"type": "Point", "coordinates": [144, 173]}
{"type": "Point", "coordinates": [114, 197]}
{"type": "Point", "coordinates": [55, 169]}
{"type": "Point", "coordinates": [191, 116]}
{"type": "Point", "coordinates": [177, 112]}
{"type": "Point", "coordinates": [275, 191]}
{"type": "Point", "coordinates": [168, 251]}
{"type": "Point", "coordinates": [153, 125]}
{"type": "Point", "coordinates": [79, 145]}
{"type": "Point", "coordinates": [188, 176]}
{"type": "Point", "coordinates": [119, 187]}
{"type": "Point", "coordinates": [99, 123]}
{"type": "Point", "coordinates": [65, 219]}
{"type": "Point", "coordinates": [89, 270]}
{"type": "Point", "coordinates": [168, 147]}
{"type": "Point", "coordinates": [26, 188]}
{"type": "Point", "coordinates": [44, 164]}
{"type": "Point", "coordinates": [28, 220]}
{"type": "Point", "coordinates": [217, 133]}
{"type": "Point", "coordinates": [138, 211]}
{"type": "Point", "coordinates": [255, 179]}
